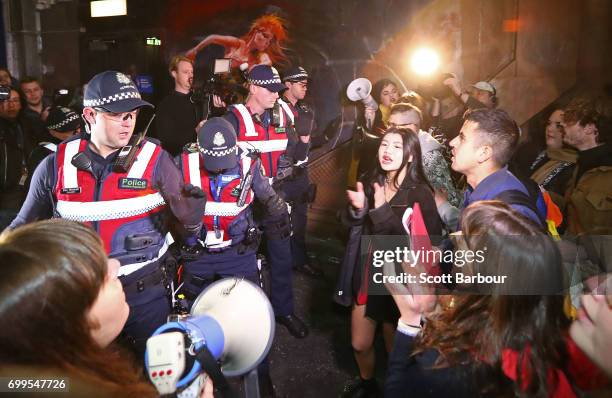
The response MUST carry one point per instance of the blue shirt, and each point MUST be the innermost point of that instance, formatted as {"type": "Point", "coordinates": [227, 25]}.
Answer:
{"type": "Point", "coordinates": [493, 185]}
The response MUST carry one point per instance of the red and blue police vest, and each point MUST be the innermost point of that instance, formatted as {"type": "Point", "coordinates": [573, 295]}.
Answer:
{"type": "Point", "coordinates": [115, 203]}
{"type": "Point", "coordinates": [222, 192]}
{"type": "Point", "coordinates": [252, 135]}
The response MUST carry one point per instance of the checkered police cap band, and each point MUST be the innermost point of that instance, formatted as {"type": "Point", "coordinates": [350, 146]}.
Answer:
{"type": "Point", "coordinates": [297, 76]}
{"type": "Point", "coordinates": [64, 122]}
{"type": "Point", "coordinates": [111, 99]}
{"type": "Point", "coordinates": [264, 82]}
{"type": "Point", "coordinates": [218, 154]}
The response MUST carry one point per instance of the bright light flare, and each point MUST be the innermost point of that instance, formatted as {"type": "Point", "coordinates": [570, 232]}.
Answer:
{"type": "Point", "coordinates": [107, 8]}
{"type": "Point", "coordinates": [425, 61]}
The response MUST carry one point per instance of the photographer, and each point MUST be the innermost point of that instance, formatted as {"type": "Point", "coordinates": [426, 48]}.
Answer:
{"type": "Point", "coordinates": [177, 116]}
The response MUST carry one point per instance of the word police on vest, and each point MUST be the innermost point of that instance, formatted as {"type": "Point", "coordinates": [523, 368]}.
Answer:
{"type": "Point", "coordinates": [216, 339]}
{"type": "Point", "coordinates": [217, 143]}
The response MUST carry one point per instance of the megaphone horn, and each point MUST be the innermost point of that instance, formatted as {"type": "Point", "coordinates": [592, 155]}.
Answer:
{"type": "Point", "coordinates": [359, 90]}
{"type": "Point", "coordinates": [246, 317]}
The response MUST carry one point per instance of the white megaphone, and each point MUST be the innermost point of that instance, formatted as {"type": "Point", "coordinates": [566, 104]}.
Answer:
{"type": "Point", "coordinates": [359, 90]}
{"type": "Point", "coordinates": [232, 318]}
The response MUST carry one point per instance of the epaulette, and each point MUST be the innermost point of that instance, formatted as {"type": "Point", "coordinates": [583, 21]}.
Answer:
{"type": "Point", "coordinates": [191, 147]}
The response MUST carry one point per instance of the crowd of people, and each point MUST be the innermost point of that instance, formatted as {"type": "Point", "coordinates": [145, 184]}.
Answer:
{"type": "Point", "coordinates": [134, 216]}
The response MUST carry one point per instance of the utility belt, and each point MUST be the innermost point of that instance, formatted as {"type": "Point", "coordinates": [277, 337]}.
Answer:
{"type": "Point", "coordinates": [250, 241]}
{"type": "Point", "coordinates": [142, 250]}
{"type": "Point", "coordinates": [157, 277]}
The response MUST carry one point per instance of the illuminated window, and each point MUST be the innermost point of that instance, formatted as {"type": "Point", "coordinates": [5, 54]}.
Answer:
{"type": "Point", "coordinates": [108, 8]}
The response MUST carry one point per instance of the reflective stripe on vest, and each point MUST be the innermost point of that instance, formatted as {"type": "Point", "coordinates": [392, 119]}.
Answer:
{"type": "Point", "coordinates": [213, 208]}
{"type": "Point", "coordinates": [130, 268]}
{"type": "Point", "coordinates": [48, 145]}
{"type": "Point", "coordinates": [194, 169]}
{"type": "Point", "coordinates": [109, 209]}
{"type": "Point", "coordinates": [70, 172]}
{"type": "Point", "coordinates": [247, 119]}
{"type": "Point", "coordinates": [262, 146]}
{"type": "Point", "coordinates": [287, 110]}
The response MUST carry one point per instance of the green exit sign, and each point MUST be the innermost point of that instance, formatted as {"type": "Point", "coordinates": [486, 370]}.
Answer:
{"type": "Point", "coordinates": [153, 41]}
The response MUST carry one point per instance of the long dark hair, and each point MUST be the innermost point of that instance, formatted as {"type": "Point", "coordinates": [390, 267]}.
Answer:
{"type": "Point", "coordinates": [533, 326]}
{"type": "Point", "coordinates": [52, 273]}
{"type": "Point", "coordinates": [378, 87]}
{"type": "Point", "coordinates": [414, 169]}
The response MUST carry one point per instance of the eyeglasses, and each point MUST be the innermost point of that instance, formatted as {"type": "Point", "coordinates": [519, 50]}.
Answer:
{"type": "Point", "coordinates": [118, 117]}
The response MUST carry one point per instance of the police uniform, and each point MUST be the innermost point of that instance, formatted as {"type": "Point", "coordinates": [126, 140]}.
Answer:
{"type": "Point", "coordinates": [229, 235]}
{"type": "Point", "coordinates": [269, 137]}
{"type": "Point", "coordinates": [296, 188]}
{"type": "Point", "coordinates": [128, 209]}
{"type": "Point", "coordinates": [60, 119]}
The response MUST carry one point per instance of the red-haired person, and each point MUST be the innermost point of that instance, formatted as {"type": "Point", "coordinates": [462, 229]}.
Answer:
{"type": "Point", "coordinates": [263, 44]}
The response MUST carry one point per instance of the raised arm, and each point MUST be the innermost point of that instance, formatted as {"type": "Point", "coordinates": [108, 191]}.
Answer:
{"type": "Point", "coordinates": [225, 41]}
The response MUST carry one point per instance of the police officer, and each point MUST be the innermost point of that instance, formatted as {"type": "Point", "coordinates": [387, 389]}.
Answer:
{"type": "Point", "coordinates": [296, 187]}
{"type": "Point", "coordinates": [62, 123]}
{"type": "Point", "coordinates": [231, 183]}
{"type": "Point", "coordinates": [262, 128]}
{"type": "Point", "coordinates": [127, 208]}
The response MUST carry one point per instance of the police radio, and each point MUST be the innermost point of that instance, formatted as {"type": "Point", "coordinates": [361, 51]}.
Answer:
{"type": "Point", "coordinates": [276, 115]}
{"type": "Point", "coordinates": [127, 155]}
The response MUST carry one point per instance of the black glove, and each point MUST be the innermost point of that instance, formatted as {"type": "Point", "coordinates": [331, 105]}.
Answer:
{"type": "Point", "coordinates": [192, 190]}
{"type": "Point", "coordinates": [275, 206]}
{"type": "Point", "coordinates": [304, 123]}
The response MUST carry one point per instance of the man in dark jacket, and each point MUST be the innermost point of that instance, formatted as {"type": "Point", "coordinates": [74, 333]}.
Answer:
{"type": "Point", "coordinates": [14, 145]}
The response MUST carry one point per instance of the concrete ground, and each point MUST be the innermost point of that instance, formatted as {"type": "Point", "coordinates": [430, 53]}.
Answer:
{"type": "Point", "coordinates": [319, 365]}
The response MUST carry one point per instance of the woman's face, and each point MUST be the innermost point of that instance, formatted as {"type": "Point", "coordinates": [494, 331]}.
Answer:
{"type": "Point", "coordinates": [391, 152]}
{"type": "Point", "coordinates": [110, 311]}
{"type": "Point", "coordinates": [389, 95]}
{"type": "Point", "coordinates": [263, 38]}
{"type": "Point", "coordinates": [554, 130]}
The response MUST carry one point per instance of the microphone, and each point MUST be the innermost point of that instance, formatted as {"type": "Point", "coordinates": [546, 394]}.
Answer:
{"type": "Point", "coordinates": [82, 162]}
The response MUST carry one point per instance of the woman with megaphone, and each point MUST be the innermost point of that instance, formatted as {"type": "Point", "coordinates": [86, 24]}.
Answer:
{"type": "Point", "coordinates": [63, 306]}
{"type": "Point", "coordinates": [396, 185]}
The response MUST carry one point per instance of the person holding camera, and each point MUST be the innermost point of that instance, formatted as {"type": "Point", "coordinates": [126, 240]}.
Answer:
{"type": "Point", "coordinates": [177, 115]}
{"type": "Point", "coordinates": [129, 205]}
{"type": "Point", "coordinates": [259, 127]}
{"type": "Point", "coordinates": [296, 188]}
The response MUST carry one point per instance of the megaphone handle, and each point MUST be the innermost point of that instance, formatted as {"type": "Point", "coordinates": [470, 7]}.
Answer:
{"type": "Point", "coordinates": [212, 368]}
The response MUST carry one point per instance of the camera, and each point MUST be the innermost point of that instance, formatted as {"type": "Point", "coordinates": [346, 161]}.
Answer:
{"type": "Point", "coordinates": [220, 84]}
{"type": "Point", "coordinates": [5, 93]}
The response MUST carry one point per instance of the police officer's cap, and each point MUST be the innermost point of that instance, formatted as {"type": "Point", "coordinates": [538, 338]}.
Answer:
{"type": "Point", "coordinates": [114, 92]}
{"type": "Point", "coordinates": [217, 142]}
{"type": "Point", "coordinates": [295, 74]}
{"type": "Point", "coordinates": [63, 119]}
{"type": "Point", "coordinates": [266, 76]}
